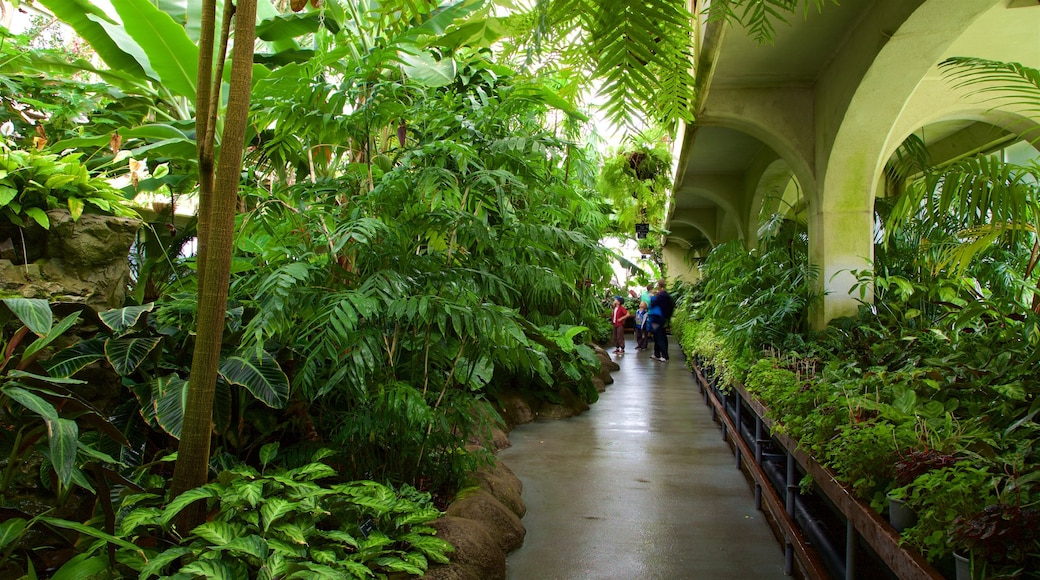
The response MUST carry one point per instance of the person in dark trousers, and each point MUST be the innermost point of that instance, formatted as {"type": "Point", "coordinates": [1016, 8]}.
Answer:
{"type": "Point", "coordinates": [661, 307]}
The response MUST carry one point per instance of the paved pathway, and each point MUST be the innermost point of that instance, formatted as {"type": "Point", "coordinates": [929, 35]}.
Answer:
{"type": "Point", "coordinates": [641, 486]}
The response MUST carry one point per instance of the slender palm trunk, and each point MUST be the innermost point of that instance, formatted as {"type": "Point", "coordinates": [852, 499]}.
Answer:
{"type": "Point", "coordinates": [216, 238]}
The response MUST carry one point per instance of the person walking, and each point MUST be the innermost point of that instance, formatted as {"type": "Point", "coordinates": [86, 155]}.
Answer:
{"type": "Point", "coordinates": [618, 318]}
{"type": "Point", "coordinates": [661, 308]}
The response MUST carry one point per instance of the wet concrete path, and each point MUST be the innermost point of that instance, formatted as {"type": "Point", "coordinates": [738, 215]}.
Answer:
{"type": "Point", "coordinates": [641, 486]}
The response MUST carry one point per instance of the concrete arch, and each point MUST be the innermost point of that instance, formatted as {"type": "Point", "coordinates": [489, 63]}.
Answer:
{"type": "Point", "coordinates": [1009, 122]}
{"type": "Point", "coordinates": [719, 192]}
{"type": "Point", "coordinates": [853, 156]}
{"type": "Point", "coordinates": [781, 118]}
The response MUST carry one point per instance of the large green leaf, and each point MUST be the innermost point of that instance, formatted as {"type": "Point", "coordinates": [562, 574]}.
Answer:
{"type": "Point", "coordinates": [126, 354]}
{"type": "Point", "coordinates": [218, 532]}
{"type": "Point", "coordinates": [55, 332]}
{"type": "Point", "coordinates": [78, 14]}
{"type": "Point", "coordinates": [213, 569]}
{"type": "Point", "coordinates": [82, 566]}
{"type": "Point", "coordinates": [121, 319]}
{"type": "Point", "coordinates": [71, 360]}
{"type": "Point", "coordinates": [263, 378]}
{"type": "Point", "coordinates": [63, 435]}
{"type": "Point", "coordinates": [32, 402]}
{"type": "Point", "coordinates": [173, 55]}
{"type": "Point", "coordinates": [422, 67]}
{"type": "Point", "coordinates": [34, 313]}
{"type": "Point", "coordinates": [89, 531]}
{"type": "Point", "coordinates": [286, 26]}
{"type": "Point", "coordinates": [169, 397]}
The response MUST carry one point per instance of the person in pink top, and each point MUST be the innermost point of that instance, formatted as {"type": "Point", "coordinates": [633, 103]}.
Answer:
{"type": "Point", "coordinates": [617, 318]}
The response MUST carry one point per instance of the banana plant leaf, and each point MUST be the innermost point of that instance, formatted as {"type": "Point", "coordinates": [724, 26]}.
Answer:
{"type": "Point", "coordinates": [172, 55]}
{"type": "Point", "coordinates": [78, 15]}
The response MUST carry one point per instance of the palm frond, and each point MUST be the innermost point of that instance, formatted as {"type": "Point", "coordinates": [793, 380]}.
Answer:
{"type": "Point", "coordinates": [1005, 84]}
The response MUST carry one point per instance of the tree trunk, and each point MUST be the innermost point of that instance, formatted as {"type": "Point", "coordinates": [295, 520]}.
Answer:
{"type": "Point", "coordinates": [214, 269]}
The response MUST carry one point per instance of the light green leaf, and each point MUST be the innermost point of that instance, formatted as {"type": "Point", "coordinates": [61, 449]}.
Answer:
{"type": "Point", "coordinates": [81, 566]}
{"type": "Point", "coordinates": [293, 532]}
{"type": "Point", "coordinates": [172, 55]}
{"type": "Point", "coordinates": [7, 194]}
{"type": "Point", "coordinates": [217, 532]}
{"type": "Point", "coordinates": [423, 68]}
{"type": "Point", "coordinates": [187, 498]}
{"type": "Point", "coordinates": [63, 435]}
{"type": "Point", "coordinates": [75, 207]}
{"type": "Point", "coordinates": [39, 216]}
{"type": "Point", "coordinates": [34, 313]}
{"type": "Point", "coordinates": [78, 14]}
{"type": "Point", "coordinates": [273, 509]}
{"type": "Point", "coordinates": [263, 378]}
{"type": "Point", "coordinates": [126, 354]}
{"type": "Point", "coordinates": [158, 562]}
{"type": "Point", "coordinates": [252, 545]}
{"type": "Point", "coordinates": [268, 452]}
{"type": "Point", "coordinates": [209, 569]}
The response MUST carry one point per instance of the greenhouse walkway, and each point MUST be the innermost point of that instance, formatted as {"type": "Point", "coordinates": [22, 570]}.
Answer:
{"type": "Point", "coordinates": [640, 486]}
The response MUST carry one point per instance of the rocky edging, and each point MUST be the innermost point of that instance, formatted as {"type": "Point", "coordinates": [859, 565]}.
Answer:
{"type": "Point", "coordinates": [483, 523]}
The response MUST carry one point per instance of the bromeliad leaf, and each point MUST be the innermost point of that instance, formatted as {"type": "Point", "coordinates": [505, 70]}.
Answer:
{"type": "Point", "coordinates": [126, 354]}
{"type": "Point", "coordinates": [263, 378]}
{"type": "Point", "coordinates": [51, 335]}
{"type": "Point", "coordinates": [34, 313]}
{"type": "Point", "coordinates": [121, 319]}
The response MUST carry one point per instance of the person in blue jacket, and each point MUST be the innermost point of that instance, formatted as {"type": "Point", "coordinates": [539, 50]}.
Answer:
{"type": "Point", "coordinates": [661, 308]}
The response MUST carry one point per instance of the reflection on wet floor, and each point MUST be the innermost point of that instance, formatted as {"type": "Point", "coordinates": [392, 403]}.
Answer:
{"type": "Point", "coordinates": [640, 486]}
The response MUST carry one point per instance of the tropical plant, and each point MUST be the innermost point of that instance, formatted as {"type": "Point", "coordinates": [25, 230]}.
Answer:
{"type": "Point", "coordinates": [32, 183]}
{"type": "Point", "coordinates": [278, 522]}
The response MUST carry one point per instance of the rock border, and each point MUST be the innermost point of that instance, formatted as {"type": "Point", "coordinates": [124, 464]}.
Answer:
{"type": "Point", "coordinates": [483, 522]}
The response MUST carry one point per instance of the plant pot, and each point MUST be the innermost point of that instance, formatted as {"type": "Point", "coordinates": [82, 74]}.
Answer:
{"type": "Point", "coordinates": [900, 515]}
{"type": "Point", "coordinates": [962, 564]}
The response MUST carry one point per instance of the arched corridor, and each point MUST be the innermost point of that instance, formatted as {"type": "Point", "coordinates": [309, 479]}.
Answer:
{"type": "Point", "coordinates": [640, 486]}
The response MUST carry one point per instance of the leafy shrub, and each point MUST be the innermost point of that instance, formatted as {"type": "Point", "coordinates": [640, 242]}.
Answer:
{"type": "Point", "coordinates": [32, 183]}
{"type": "Point", "coordinates": [286, 523]}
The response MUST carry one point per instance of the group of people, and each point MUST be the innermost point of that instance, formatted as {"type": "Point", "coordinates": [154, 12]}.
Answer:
{"type": "Point", "coordinates": [655, 309]}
